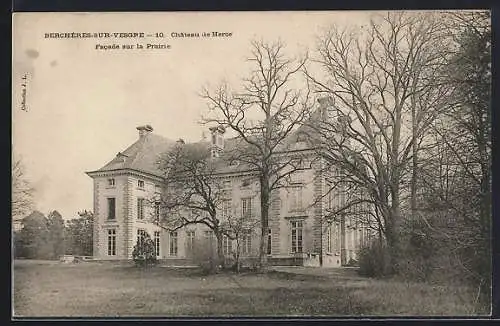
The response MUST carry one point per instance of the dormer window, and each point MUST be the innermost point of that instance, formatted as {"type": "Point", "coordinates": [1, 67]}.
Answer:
{"type": "Point", "coordinates": [140, 184]}
{"type": "Point", "coordinates": [111, 182]}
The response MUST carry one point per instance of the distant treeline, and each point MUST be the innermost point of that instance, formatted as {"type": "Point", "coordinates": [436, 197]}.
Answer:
{"type": "Point", "coordinates": [50, 237]}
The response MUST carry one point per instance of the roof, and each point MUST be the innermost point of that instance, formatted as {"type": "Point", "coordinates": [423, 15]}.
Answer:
{"type": "Point", "coordinates": [141, 156]}
{"type": "Point", "coordinates": [144, 154]}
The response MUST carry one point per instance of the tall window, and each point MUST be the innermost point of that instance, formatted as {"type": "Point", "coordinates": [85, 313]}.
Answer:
{"type": "Point", "coordinates": [269, 241]}
{"type": "Point", "coordinates": [140, 184]}
{"type": "Point", "coordinates": [140, 208]}
{"type": "Point", "coordinates": [338, 237]}
{"type": "Point", "coordinates": [226, 208]}
{"type": "Point", "coordinates": [190, 235]}
{"type": "Point", "coordinates": [246, 244]}
{"type": "Point", "coordinates": [157, 212]}
{"type": "Point", "coordinates": [209, 238]}
{"type": "Point", "coordinates": [111, 242]}
{"type": "Point", "coordinates": [246, 207]}
{"type": "Point", "coordinates": [296, 236]}
{"type": "Point", "coordinates": [173, 243]}
{"type": "Point", "coordinates": [111, 208]}
{"type": "Point", "coordinates": [157, 243]}
{"type": "Point", "coordinates": [111, 182]}
{"type": "Point", "coordinates": [227, 246]}
{"type": "Point", "coordinates": [296, 198]}
{"type": "Point", "coordinates": [141, 235]}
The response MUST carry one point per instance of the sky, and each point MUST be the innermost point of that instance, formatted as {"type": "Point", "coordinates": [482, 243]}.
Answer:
{"type": "Point", "coordinates": [79, 106]}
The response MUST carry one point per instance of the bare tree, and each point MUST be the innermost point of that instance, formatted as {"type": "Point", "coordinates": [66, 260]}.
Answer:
{"type": "Point", "coordinates": [263, 114]}
{"type": "Point", "coordinates": [22, 192]}
{"type": "Point", "coordinates": [193, 191]}
{"type": "Point", "coordinates": [459, 174]}
{"type": "Point", "coordinates": [239, 228]}
{"type": "Point", "coordinates": [386, 87]}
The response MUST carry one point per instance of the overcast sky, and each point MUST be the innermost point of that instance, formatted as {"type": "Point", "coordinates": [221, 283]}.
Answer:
{"type": "Point", "coordinates": [83, 104]}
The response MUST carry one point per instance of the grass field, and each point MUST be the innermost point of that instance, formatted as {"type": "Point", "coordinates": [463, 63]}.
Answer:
{"type": "Point", "coordinates": [105, 289]}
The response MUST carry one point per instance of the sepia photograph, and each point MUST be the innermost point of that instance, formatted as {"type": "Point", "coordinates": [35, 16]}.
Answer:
{"type": "Point", "coordinates": [251, 164]}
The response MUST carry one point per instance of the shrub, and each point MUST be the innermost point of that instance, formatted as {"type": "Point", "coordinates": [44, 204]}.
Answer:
{"type": "Point", "coordinates": [374, 260]}
{"type": "Point", "coordinates": [144, 251]}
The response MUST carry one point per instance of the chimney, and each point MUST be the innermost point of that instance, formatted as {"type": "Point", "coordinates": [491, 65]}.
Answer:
{"type": "Point", "coordinates": [217, 140]}
{"type": "Point", "coordinates": [144, 130]}
{"type": "Point", "coordinates": [325, 103]}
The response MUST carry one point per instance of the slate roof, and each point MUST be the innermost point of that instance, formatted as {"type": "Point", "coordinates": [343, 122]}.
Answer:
{"type": "Point", "coordinates": [141, 156]}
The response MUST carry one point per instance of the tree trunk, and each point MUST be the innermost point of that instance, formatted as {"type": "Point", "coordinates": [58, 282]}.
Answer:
{"type": "Point", "coordinates": [264, 219]}
{"type": "Point", "coordinates": [393, 232]}
{"type": "Point", "coordinates": [220, 253]}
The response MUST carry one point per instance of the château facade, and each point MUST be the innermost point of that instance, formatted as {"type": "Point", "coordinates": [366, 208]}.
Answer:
{"type": "Point", "coordinates": [299, 233]}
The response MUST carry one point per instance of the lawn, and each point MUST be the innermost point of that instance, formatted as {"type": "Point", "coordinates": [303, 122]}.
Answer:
{"type": "Point", "coordinates": [106, 289]}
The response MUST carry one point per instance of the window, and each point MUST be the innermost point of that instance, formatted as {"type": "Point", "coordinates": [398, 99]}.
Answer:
{"type": "Point", "coordinates": [190, 235]}
{"type": "Point", "coordinates": [111, 242]}
{"type": "Point", "coordinates": [141, 235]}
{"type": "Point", "coordinates": [246, 244]}
{"type": "Point", "coordinates": [296, 236]}
{"type": "Point", "coordinates": [338, 239]}
{"type": "Point", "coordinates": [226, 208]}
{"type": "Point", "coordinates": [245, 183]}
{"type": "Point", "coordinates": [111, 208]}
{"type": "Point", "coordinates": [157, 189]}
{"type": "Point", "coordinates": [213, 139]}
{"type": "Point", "coordinates": [140, 184]}
{"type": "Point", "coordinates": [111, 182]}
{"type": "Point", "coordinates": [329, 238]}
{"type": "Point", "coordinates": [157, 243]}
{"type": "Point", "coordinates": [209, 237]}
{"type": "Point", "coordinates": [269, 241]}
{"type": "Point", "coordinates": [296, 198]}
{"type": "Point", "coordinates": [140, 208]}
{"type": "Point", "coordinates": [157, 212]}
{"type": "Point", "coordinates": [246, 207]}
{"type": "Point", "coordinates": [227, 246]}
{"type": "Point", "coordinates": [226, 185]}
{"type": "Point", "coordinates": [173, 243]}
{"type": "Point", "coordinates": [297, 176]}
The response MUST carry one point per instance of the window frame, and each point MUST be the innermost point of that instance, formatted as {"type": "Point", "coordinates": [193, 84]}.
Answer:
{"type": "Point", "coordinates": [173, 246]}
{"type": "Point", "coordinates": [157, 242]}
{"type": "Point", "coordinates": [296, 198]}
{"type": "Point", "coordinates": [246, 207]}
{"type": "Point", "coordinates": [111, 242]}
{"type": "Point", "coordinates": [140, 184]}
{"type": "Point", "coordinates": [246, 244]}
{"type": "Point", "coordinates": [297, 244]}
{"type": "Point", "coordinates": [111, 217]}
{"type": "Point", "coordinates": [227, 246]}
{"type": "Point", "coordinates": [141, 234]}
{"type": "Point", "coordinates": [190, 240]}
{"type": "Point", "coordinates": [140, 208]}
